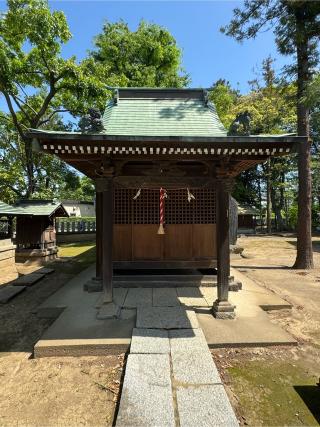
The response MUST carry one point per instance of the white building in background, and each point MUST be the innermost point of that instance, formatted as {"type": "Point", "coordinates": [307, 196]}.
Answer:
{"type": "Point", "coordinates": [77, 208]}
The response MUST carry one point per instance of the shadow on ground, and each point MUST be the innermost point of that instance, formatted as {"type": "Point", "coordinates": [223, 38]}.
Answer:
{"type": "Point", "coordinates": [262, 267]}
{"type": "Point", "coordinates": [315, 245]}
{"type": "Point", "coordinates": [310, 394]}
{"type": "Point", "coordinates": [20, 326]}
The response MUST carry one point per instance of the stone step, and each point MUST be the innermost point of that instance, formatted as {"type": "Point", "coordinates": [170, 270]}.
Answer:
{"type": "Point", "coordinates": [163, 277]}
{"type": "Point", "coordinates": [44, 270]}
{"type": "Point", "coordinates": [177, 281]}
{"type": "Point", "coordinates": [28, 279]}
{"type": "Point", "coordinates": [9, 292]}
{"type": "Point", "coordinates": [146, 398]}
{"type": "Point", "coordinates": [166, 318]}
{"type": "Point", "coordinates": [205, 405]}
{"type": "Point", "coordinates": [150, 341]}
{"type": "Point", "coordinates": [6, 242]}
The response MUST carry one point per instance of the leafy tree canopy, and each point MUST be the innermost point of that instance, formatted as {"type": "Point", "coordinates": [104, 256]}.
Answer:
{"type": "Point", "coordinates": [38, 85]}
{"type": "Point", "coordinates": [148, 56]}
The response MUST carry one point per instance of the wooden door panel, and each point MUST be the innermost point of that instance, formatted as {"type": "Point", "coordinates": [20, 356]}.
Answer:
{"type": "Point", "coordinates": [122, 242]}
{"type": "Point", "coordinates": [147, 244]}
{"type": "Point", "coordinates": [204, 241]}
{"type": "Point", "coordinates": [178, 242]}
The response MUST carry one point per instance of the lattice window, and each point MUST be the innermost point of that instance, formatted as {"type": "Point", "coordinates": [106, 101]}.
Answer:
{"type": "Point", "coordinates": [204, 206]}
{"type": "Point", "coordinates": [145, 209]}
{"type": "Point", "coordinates": [123, 206]}
{"type": "Point", "coordinates": [177, 208]}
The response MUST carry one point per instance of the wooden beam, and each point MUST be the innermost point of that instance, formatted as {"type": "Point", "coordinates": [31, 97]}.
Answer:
{"type": "Point", "coordinates": [105, 186]}
{"type": "Point", "coordinates": [98, 236]}
{"type": "Point", "coordinates": [115, 140]}
{"type": "Point", "coordinates": [158, 181]}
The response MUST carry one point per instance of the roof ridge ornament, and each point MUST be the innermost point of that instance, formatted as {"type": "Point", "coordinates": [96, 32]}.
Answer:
{"type": "Point", "coordinates": [241, 124]}
{"type": "Point", "coordinates": [205, 96]}
{"type": "Point", "coordinates": [91, 122]}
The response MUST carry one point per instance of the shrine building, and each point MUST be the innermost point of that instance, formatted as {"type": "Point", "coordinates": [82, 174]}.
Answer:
{"type": "Point", "coordinates": [164, 168]}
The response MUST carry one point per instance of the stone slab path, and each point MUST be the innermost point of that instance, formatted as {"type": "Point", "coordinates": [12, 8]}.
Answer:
{"type": "Point", "coordinates": [28, 279]}
{"type": "Point", "coordinates": [9, 292]}
{"type": "Point", "coordinates": [170, 377]}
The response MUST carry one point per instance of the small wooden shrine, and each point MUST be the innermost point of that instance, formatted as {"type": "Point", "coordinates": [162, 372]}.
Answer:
{"type": "Point", "coordinates": [35, 228]}
{"type": "Point", "coordinates": [163, 166]}
{"type": "Point", "coordinates": [247, 219]}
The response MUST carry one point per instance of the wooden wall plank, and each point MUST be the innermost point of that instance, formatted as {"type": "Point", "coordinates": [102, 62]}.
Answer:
{"type": "Point", "coordinates": [122, 242]}
{"type": "Point", "coordinates": [178, 242]}
{"type": "Point", "coordinates": [204, 241]}
{"type": "Point", "coordinates": [147, 244]}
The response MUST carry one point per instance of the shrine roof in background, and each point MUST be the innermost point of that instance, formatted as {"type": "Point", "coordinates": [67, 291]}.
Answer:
{"type": "Point", "coordinates": [41, 208]}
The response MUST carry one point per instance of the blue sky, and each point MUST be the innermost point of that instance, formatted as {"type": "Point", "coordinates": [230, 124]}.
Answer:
{"type": "Point", "coordinates": [207, 54]}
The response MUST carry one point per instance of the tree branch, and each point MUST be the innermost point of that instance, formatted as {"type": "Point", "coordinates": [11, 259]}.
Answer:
{"type": "Point", "coordinates": [44, 106]}
{"type": "Point", "coordinates": [5, 117]}
{"type": "Point", "coordinates": [51, 115]}
{"type": "Point", "coordinates": [24, 102]}
{"type": "Point", "coordinates": [14, 189]}
{"type": "Point", "coordinates": [17, 101]}
{"type": "Point", "coordinates": [13, 114]}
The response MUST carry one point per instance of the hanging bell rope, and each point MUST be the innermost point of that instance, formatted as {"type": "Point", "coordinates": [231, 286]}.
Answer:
{"type": "Point", "coordinates": [163, 195]}
{"type": "Point", "coordinates": [190, 196]}
{"type": "Point", "coordinates": [137, 194]}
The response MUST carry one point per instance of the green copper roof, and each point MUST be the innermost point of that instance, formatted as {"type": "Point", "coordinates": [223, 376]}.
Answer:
{"type": "Point", "coordinates": [40, 207]}
{"type": "Point", "coordinates": [162, 112]}
{"type": "Point", "coordinates": [247, 210]}
{"type": "Point", "coordinates": [9, 210]}
{"type": "Point", "coordinates": [33, 208]}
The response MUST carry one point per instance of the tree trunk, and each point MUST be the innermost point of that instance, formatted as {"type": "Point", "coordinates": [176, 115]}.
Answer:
{"type": "Point", "coordinates": [269, 204]}
{"type": "Point", "coordinates": [277, 211]}
{"type": "Point", "coordinates": [304, 258]}
{"type": "Point", "coordinates": [260, 201]}
{"type": "Point", "coordinates": [29, 167]}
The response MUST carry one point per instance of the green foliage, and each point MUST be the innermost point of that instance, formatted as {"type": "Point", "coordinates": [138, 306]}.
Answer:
{"type": "Point", "coordinates": [296, 26]}
{"type": "Point", "coordinates": [224, 99]}
{"type": "Point", "coordinates": [38, 85]}
{"type": "Point", "coordinates": [147, 57]}
{"type": "Point", "coordinates": [293, 216]}
{"type": "Point", "coordinates": [272, 106]}
{"type": "Point", "coordinates": [77, 187]}
{"type": "Point", "coordinates": [281, 16]}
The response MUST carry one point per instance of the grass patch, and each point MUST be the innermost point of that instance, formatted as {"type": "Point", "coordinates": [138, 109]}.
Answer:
{"type": "Point", "coordinates": [75, 257]}
{"type": "Point", "coordinates": [276, 394]}
{"type": "Point", "coordinates": [74, 249]}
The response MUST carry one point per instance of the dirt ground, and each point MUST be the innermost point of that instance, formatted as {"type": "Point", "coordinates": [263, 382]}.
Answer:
{"type": "Point", "coordinates": [278, 386]}
{"type": "Point", "coordinates": [52, 391]}
{"type": "Point", "coordinates": [268, 262]}
{"type": "Point", "coordinates": [66, 391]}
{"type": "Point", "coordinates": [274, 386]}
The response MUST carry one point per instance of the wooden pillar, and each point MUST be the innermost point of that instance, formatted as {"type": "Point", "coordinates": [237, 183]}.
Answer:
{"type": "Point", "coordinates": [98, 236]}
{"type": "Point", "coordinates": [222, 309]}
{"type": "Point", "coordinates": [105, 187]}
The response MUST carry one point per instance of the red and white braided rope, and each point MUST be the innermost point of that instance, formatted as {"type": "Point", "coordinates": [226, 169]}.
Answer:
{"type": "Point", "coordinates": [163, 195]}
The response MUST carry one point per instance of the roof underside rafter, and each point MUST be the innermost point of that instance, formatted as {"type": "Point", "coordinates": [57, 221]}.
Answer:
{"type": "Point", "coordinates": [156, 125]}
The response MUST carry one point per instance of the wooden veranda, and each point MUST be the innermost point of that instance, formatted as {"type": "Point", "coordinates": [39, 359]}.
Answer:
{"type": "Point", "coordinates": [170, 139]}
